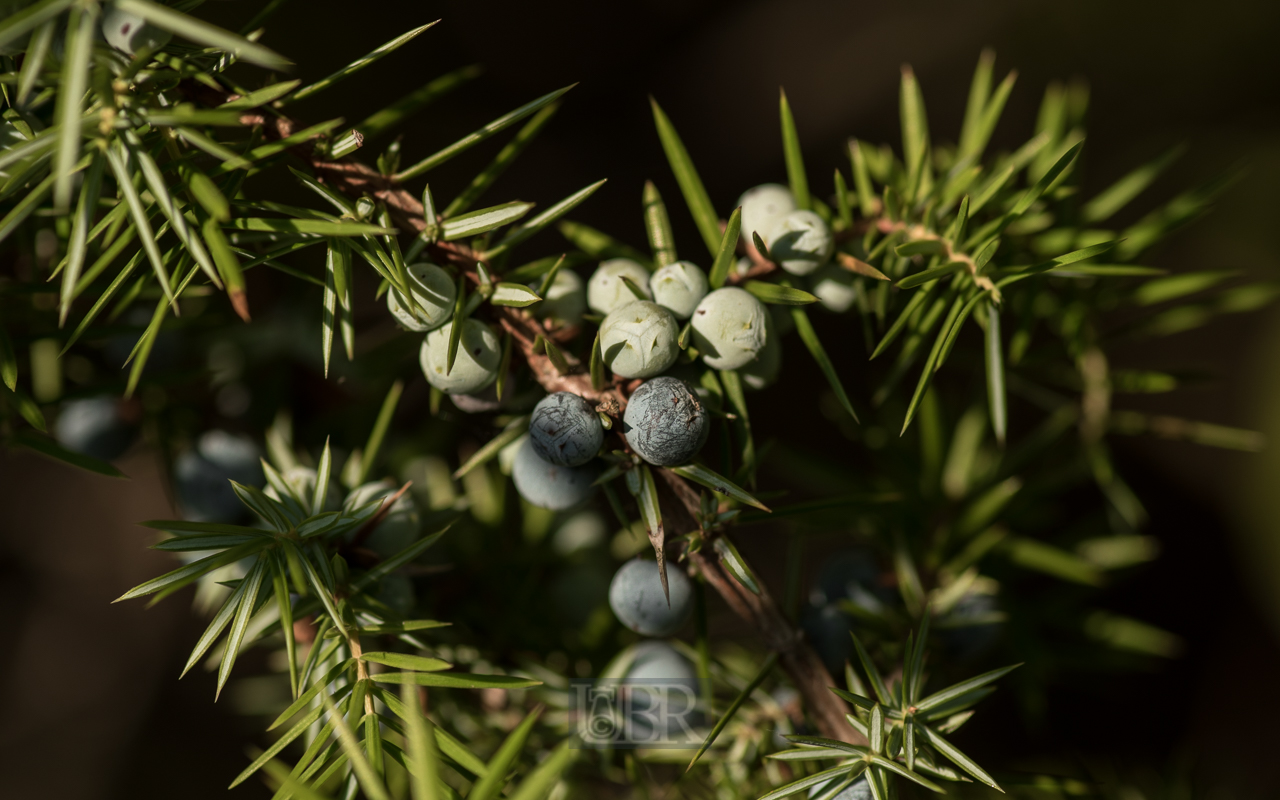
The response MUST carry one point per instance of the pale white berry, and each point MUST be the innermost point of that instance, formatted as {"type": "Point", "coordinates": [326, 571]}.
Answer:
{"type": "Point", "coordinates": [679, 287]}
{"type": "Point", "coordinates": [834, 287]}
{"type": "Point", "coordinates": [763, 207]}
{"type": "Point", "coordinates": [764, 370]}
{"type": "Point", "coordinates": [475, 366]}
{"type": "Point", "coordinates": [606, 290]}
{"type": "Point", "coordinates": [130, 33]}
{"type": "Point", "coordinates": [566, 298]}
{"type": "Point", "coordinates": [801, 242]}
{"type": "Point", "coordinates": [729, 328]}
{"type": "Point", "coordinates": [433, 289]}
{"type": "Point", "coordinates": [639, 340]}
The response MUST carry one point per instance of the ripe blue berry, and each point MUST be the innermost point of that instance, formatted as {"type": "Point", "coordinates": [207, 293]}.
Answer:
{"type": "Point", "coordinates": [565, 430]}
{"type": "Point", "coordinates": [801, 242]}
{"type": "Point", "coordinates": [639, 340]}
{"type": "Point", "coordinates": [606, 291]}
{"type": "Point", "coordinates": [636, 597]}
{"type": "Point", "coordinates": [202, 476]}
{"type": "Point", "coordinates": [729, 328]}
{"type": "Point", "coordinates": [475, 366]}
{"type": "Point", "coordinates": [433, 289]}
{"type": "Point", "coordinates": [93, 426]}
{"type": "Point", "coordinates": [679, 287]}
{"type": "Point", "coordinates": [763, 207]}
{"type": "Point", "coordinates": [550, 485]}
{"type": "Point", "coordinates": [664, 422]}
{"type": "Point", "coordinates": [663, 691]}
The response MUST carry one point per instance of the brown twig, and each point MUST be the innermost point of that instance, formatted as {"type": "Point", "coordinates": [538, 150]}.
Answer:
{"type": "Point", "coordinates": [795, 655]}
{"type": "Point", "coordinates": [801, 663]}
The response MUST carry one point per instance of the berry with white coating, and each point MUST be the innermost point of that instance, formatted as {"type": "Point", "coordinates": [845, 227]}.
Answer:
{"type": "Point", "coordinates": [663, 688]}
{"type": "Point", "coordinates": [636, 597]}
{"type": "Point", "coordinates": [474, 367]}
{"type": "Point", "coordinates": [549, 485]}
{"type": "Point", "coordinates": [202, 477]}
{"type": "Point", "coordinates": [834, 287]}
{"type": "Point", "coordinates": [729, 328]}
{"type": "Point", "coordinates": [763, 207]}
{"type": "Point", "coordinates": [565, 301]}
{"type": "Point", "coordinates": [801, 242]}
{"type": "Point", "coordinates": [565, 430]}
{"type": "Point", "coordinates": [639, 340]}
{"type": "Point", "coordinates": [664, 422]}
{"type": "Point", "coordinates": [130, 33]}
{"type": "Point", "coordinates": [606, 291]}
{"type": "Point", "coordinates": [93, 426]}
{"type": "Point", "coordinates": [679, 287]}
{"type": "Point", "coordinates": [433, 289]}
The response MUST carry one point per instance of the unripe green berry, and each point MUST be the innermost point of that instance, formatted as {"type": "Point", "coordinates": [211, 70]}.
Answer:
{"type": "Point", "coordinates": [302, 482]}
{"type": "Point", "coordinates": [474, 367]}
{"type": "Point", "coordinates": [801, 242]}
{"type": "Point", "coordinates": [834, 287]}
{"type": "Point", "coordinates": [550, 485]}
{"type": "Point", "coordinates": [636, 597]}
{"type": "Point", "coordinates": [433, 289]}
{"type": "Point", "coordinates": [565, 430]}
{"type": "Point", "coordinates": [130, 33]}
{"type": "Point", "coordinates": [664, 423]}
{"type": "Point", "coordinates": [639, 340]}
{"type": "Point", "coordinates": [763, 207]}
{"type": "Point", "coordinates": [729, 328]}
{"type": "Point", "coordinates": [566, 299]}
{"type": "Point", "coordinates": [679, 287]}
{"type": "Point", "coordinates": [606, 291]}
{"type": "Point", "coordinates": [398, 529]}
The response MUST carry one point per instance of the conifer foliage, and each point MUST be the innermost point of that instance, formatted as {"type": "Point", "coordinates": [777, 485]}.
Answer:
{"type": "Point", "coordinates": [977, 294]}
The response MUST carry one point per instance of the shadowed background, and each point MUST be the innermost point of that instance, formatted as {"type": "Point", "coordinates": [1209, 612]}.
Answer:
{"type": "Point", "coordinates": [1160, 74]}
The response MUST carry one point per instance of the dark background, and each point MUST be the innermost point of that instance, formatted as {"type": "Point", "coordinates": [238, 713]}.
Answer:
{"type": "Point", "coordinates": [99, 681]}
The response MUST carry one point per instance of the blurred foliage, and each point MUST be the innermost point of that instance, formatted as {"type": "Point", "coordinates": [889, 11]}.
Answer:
{"type": "Point", "coordinates": [976, 496]}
